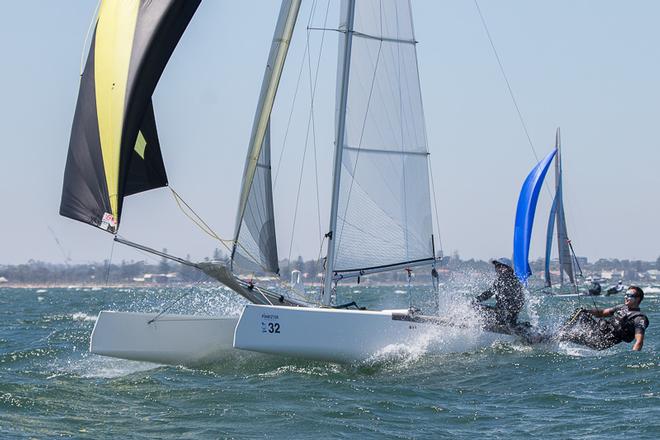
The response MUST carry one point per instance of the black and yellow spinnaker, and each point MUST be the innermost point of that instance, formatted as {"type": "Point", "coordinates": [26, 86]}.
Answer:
{"type": "Point", "coordinates": [114, 149]}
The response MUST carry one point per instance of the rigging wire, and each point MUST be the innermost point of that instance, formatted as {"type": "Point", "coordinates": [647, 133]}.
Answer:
{"type": "Point", "coordinates": [310, 127]}
{"type": "Point", "coordinates": [312, 96]}
{"type": "Point", "coordinates": [197, 220]}
{"type": "Point", "coordinates": [204, 227]}
{"type": "Point", "coordinates": [506, 79]}
{"type": "Point", "coordinates": [107, 270]}
{"type": "Point", "coordinates": [201, 224]}
{"type": "Point", "coordinates": [509, 88]}
{"type": "Point", "coordinates": [293, 106]}
{"type": "Point", "coordinates": [169, 306]}
{"type": "Point", "coordinates": [295, 211]}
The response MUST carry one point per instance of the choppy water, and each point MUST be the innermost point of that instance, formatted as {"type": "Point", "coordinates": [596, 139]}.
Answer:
{"type": "Point", "coordinates": [50, 386]}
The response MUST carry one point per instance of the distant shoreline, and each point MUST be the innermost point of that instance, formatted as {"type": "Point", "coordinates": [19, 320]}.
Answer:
{"type": "Point", "coordinates": [175, 285]}
{"type": "Point", "coordinates": [97, 286]}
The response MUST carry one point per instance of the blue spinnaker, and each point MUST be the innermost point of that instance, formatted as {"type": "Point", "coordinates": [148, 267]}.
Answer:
{"type": "Point", "coordinates": [522, 233]}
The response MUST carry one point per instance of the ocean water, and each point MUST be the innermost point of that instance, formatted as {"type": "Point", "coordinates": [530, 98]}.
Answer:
{"type": "Point", "coordinates": [52, 387]}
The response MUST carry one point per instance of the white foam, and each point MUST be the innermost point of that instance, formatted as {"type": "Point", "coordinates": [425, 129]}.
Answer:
{"type": "Point", "coordinates": [92, 365]}
{"type": "Point", "coordinates": [575, 350]}
{"type": "Point", "coordinates": [80, 316]}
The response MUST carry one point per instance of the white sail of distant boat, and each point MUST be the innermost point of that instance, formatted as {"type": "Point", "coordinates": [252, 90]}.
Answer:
{"type": "Point", "coordinates": [567, 261]}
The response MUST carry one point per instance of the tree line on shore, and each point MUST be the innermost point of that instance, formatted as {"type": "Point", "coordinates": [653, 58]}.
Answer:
{"type": "Point", "coordinates": [123, 272]}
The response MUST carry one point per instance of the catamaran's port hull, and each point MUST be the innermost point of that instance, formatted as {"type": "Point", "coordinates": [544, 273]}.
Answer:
{"type": "Point", "coordinates": [350, 335]}
{"type": "Point", "coordinates": [170, 339]}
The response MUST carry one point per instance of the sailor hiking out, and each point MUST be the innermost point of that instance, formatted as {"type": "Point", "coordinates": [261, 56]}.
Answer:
{"type": "Point", "coordinates": [602, 329]}
{"type": "Point", "coordinates": [613, 290]}
{"type": "Point", "coordinates": [509, 298]}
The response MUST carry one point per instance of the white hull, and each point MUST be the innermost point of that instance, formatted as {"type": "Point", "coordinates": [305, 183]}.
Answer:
{"type": "Point", "coordinates": [348, 335]}
{"type": "Point", "coordinates": [170, 339]}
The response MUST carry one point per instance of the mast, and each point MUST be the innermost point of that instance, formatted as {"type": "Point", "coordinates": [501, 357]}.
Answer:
{"type": "Point", "coordinates": [559, 202]}
{"type": "Point", "coordinates": [339, 144]}
{"type": "Point", "coordinates": [278, 51]}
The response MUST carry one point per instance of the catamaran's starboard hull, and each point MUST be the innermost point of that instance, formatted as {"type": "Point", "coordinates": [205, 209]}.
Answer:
{"type": "Point", "coordinates": [170, 339]}
{"type": "Point", "coordinates": [349, 335]}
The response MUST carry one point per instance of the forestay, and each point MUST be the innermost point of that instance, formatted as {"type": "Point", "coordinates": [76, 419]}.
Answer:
{"type": "Point", "coordinates": [384, 204]}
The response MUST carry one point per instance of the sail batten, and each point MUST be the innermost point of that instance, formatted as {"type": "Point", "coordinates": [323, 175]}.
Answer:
{"type": "Point", "coordinates": [344, 273]}
{"type": "Point", "coordinates": [114, 149]}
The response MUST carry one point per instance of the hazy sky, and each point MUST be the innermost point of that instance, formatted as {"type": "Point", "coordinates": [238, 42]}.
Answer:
{"type": "Point", "coordinates": [591, 67]}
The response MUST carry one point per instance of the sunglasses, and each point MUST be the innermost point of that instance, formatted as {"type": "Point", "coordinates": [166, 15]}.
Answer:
{"type": "Point", "coordinates": [630, 296]}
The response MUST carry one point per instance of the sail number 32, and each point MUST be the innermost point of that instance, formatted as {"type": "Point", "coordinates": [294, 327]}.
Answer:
{"type": "Point", "coordinates": [270, 327]}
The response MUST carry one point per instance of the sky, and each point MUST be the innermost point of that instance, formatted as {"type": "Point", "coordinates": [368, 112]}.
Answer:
{"type": "Point", "coordinates": [590, 67]}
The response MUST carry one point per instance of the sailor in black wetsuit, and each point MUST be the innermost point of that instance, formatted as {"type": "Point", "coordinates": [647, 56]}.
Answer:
{"type": "Point", "coordinates": [594, 288]}
{"type": "Point", "coordinates": [627, 323]}
{"type": "Point", "coordinates": [509, 298]}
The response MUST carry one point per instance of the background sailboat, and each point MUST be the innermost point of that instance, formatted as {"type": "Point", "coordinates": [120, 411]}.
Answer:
{"type": "Point", "coordinates": [568, 265]}
{"type": "Point", "coordinates": [524, 223]}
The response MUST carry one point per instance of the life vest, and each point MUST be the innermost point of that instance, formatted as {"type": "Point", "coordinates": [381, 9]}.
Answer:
{"type": "Point", "coordinates": [623, 324]}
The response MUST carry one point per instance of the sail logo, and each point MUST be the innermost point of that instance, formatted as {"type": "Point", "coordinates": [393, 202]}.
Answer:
{"type": "Point", "coordinates": [108, 222]}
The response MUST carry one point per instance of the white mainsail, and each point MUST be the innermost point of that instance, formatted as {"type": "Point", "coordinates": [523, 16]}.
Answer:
{"type": "Point", "coordinates": [382, 217]}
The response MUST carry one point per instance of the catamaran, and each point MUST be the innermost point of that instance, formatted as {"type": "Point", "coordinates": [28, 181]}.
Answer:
{"type": "Point", "coordinates": [380, 213]}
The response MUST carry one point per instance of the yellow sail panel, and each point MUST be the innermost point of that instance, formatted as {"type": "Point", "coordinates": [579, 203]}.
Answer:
{"type": "Point", "coordinates": [114, 42]}
{"type": "Point", "coordinates": [140, 145]}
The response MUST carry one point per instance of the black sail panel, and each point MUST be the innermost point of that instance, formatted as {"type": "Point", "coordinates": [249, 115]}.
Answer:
{"type": "Point", "coordinates": [159, 28]}
{"type": "Point", "coordinates": [84, 191]}
{"type": "Point", "coordinates": [146, 169]}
